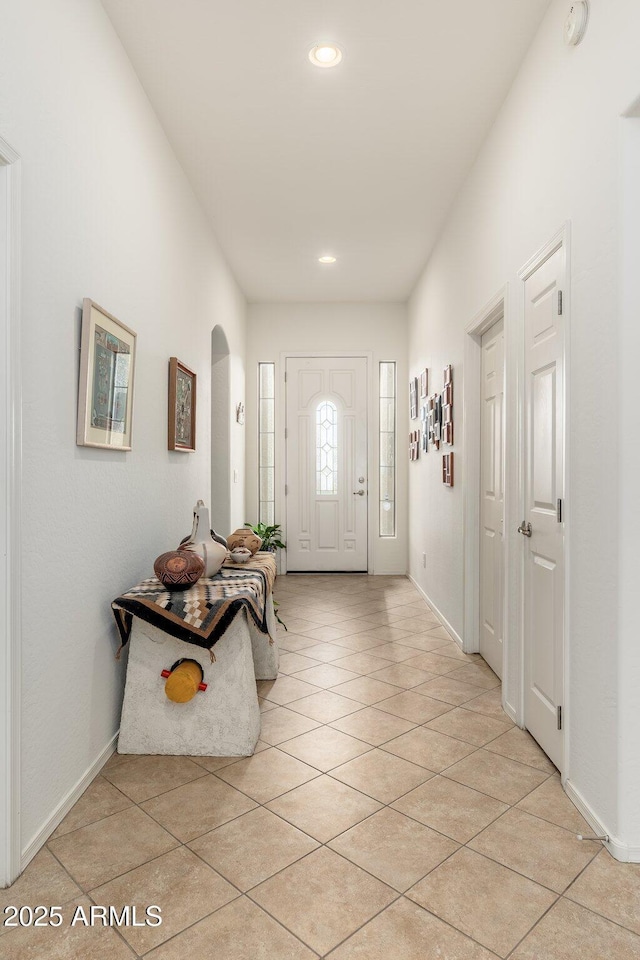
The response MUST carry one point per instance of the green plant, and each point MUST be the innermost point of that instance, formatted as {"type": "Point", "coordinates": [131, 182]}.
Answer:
{"type": "Point", "coordinates": [275, 610]}
{"type": "Point", "coordinates": [269, 534]}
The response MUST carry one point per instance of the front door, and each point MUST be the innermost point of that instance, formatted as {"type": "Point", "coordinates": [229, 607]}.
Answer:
{"type": "Point", "coordinates": [542, 528]}
{"type": "Point", "coordinates": [492, 497]}
{"type": "Point", "coordinates": [326, 489]}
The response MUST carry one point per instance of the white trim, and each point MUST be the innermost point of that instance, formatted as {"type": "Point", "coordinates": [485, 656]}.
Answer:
{"type": "Point", "coordinates": [617, 848]}
{"type": "Point", "coordinates": [281, 417]}
{"type": "Point", "coordinates": [11, 460]}
{"type": "Point", "coordinates": [561, 239]}
{"type": "Point", "coordinates": [493, 311]}
{"type": "Point", "coordinates": [71, 797]}
{"type": "Point", "coordinates": [441, 617]}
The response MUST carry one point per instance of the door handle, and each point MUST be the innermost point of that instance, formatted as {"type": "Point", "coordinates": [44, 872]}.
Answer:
{"type": "Point", "coordinates": [525, 529]}
{"type": "Point", "coordinates": [358, 493]}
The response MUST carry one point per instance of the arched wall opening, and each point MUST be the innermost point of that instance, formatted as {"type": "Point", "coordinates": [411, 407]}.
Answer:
{"type": "Point", "coordinates": [220, 433]}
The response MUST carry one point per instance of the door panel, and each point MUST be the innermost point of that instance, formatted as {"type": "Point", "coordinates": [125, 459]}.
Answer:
{"type": "Point", "coordinates": [492, 497]}
{"type": "Point", "coordinates": [544, 484]}
{"type": "Point", "coordinates": [326, 463]}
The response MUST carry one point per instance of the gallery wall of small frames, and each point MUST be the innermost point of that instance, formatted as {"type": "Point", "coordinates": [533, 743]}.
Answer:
{"type": "Point", "coordinates": [436, 416]}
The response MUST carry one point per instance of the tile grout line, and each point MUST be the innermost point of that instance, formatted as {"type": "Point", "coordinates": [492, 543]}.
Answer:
{"type": "Point", "coordinates": [383, 806]}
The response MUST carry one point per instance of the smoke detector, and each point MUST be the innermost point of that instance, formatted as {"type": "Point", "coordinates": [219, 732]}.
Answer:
{"type": "Point", "coordinates": [575, 26]}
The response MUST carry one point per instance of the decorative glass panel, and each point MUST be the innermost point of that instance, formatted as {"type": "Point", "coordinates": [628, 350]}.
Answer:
{"type": "Point", "coordinates": [327, 448]}
{"type": "Point", "coordinates": [387, 449]}
{"type": "Point", "coordinates": [266, 441]}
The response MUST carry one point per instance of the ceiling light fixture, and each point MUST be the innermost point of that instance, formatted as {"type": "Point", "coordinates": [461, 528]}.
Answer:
{"type": "Point", "coordinates": [326, 259]}
{"type": "Point", "coordinates": [325, 55]}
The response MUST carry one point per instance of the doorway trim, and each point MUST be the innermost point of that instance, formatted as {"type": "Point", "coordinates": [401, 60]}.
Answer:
{"type": "Point", "coordinates": [496, 308]}
{"type": "Point", "coordinates": [11, 457]}
{"type": "Point", "coordinates": [561, 239]}
{"type": "Point", "coordinates": [281, 442]}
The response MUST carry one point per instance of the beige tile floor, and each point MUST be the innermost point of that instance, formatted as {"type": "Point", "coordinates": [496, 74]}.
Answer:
{"type": "Point", "coordinates": [391, 812]}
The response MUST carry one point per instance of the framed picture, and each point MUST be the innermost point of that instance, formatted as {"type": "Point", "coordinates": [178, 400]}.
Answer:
{"type": "Point", "coordinates": [424, 382]}
{"type": "Point", "coordinates": [447, 469]}
{"type": "Point", "coordinates": [447, 415]}
{"type": "Point", "coordinates": [413, 398]}
{"type": "Point", "coordinates": [448, 374]}
{"type": "Point", "coordinates": [182, 407]}
{"type": "Point", "coordinates": [447, 396]}
{"type": "Point", "coordinates": [447, 433]}
{"type": "Point", "coordinates": [105, 394]}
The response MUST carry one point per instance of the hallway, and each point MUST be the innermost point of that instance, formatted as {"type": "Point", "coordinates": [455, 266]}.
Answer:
{"type": "Point", "coordinates": [392, 811]}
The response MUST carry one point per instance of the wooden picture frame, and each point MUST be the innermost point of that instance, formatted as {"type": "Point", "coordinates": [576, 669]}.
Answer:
{"type": "Point", "coordinates": [413, 398]}
{"type": "Point", "coordinates": [448, 374]}
{"type": "Point", "coordinates": [447, 469]}
{"type": "Point", "coordinates": [424, 382]}
{"type": "Point", "coordinates": [105, 392]}
{"type": "Point", "coordinates": [182, 407]}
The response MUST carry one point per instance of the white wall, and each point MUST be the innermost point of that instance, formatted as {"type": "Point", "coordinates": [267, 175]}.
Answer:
{"type": "Point", "coordinates": [381, 329]}
{"type": "Point", "coordinates": [553, 156]}
{"type": "Point", "coordinates": [107, 213]}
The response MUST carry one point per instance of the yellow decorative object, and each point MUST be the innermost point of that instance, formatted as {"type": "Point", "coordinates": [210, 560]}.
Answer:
{"type": "Point", "coordinates": [183, 682]}
{"type": "Point", "coordinates": [244, 537]}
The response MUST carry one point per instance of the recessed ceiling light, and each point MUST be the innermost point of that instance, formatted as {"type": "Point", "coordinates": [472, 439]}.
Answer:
{"type": "Point", "coordinates": [325, 55]}
{"type": "Point", "coordinates": [326, 259]}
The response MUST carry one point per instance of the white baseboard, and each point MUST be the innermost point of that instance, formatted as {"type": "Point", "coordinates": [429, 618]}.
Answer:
{"type": "Point", "coordinates": [47, 828]}
{"type": "Point", "coordinates": [441, 617]}
{"type": "Point", "coordinates": [617, 848]}
{"type": "Point", "coordinates": [510, 711]}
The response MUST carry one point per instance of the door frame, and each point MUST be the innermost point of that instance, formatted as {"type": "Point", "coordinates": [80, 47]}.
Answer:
{"type": "Point", "coordinates": [11, 467]}
{"type": "Point", "coordinates": [496, 308]}
{"type": "Point", "coordinates": [561, 239]}
{"type": "Point", "coordinates": [281, 441]}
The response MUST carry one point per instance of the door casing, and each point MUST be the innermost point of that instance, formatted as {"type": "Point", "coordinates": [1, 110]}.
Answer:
{"type": "Point", "coordinates": [498, 307]}
{"type": "Point", "coordinates": [509, 302]}
{"type": "Point", "coordinates": [561, 239]}
{"type": "Point", "coordinates": [11, 468]}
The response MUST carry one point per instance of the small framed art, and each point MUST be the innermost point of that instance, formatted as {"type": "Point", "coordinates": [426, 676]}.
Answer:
{"type": "Point", "coordinates": [182, 407]}
{"type": "Point", "coordinates": [413, 398]}
{"type": "Point", "coordinates": [424, 382]}
{"type": "Point", "coordinates": [447, 469]}
{"type": "Point", "coordinates": [105, 394]}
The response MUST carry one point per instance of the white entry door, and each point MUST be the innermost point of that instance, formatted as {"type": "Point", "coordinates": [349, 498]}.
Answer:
{"type": "Point", "coordinates": [542, 527]}
{"type": "Point", "coordinates": [492, 497]}
{"type": "Point", "coordinates": [326, 463]}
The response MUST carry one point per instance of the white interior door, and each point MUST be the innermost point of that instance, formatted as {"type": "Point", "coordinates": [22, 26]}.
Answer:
{"type": "Point", "coordinates": [326, 463]}
{"type": "Point", "coordinates": [492, 497]}
{"type": "Point", "coordinates": [542, 529]}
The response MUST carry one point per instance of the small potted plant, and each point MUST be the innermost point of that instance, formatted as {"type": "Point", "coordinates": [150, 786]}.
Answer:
{"type": "Point", "coordinates": [269, 534]}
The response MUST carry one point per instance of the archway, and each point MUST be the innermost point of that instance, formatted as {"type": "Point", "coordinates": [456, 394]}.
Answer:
{"type": "Point", "coordinates": [220, 433]}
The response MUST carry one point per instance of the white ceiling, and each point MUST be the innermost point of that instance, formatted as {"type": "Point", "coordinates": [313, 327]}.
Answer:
{"type": "Point", "coordinates": [361, 161]}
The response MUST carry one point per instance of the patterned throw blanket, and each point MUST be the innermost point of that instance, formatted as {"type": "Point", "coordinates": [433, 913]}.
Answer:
{"type": "Point", "coordinates": [202, 613]}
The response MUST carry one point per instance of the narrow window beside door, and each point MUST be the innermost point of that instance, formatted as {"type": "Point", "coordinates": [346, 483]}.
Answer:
{"type": "Point", "coordinates": [387, 449]}
{"type": "Point", "coordinates": [327, 448]}
{"type": "Point", "coordinates": [266, 442]}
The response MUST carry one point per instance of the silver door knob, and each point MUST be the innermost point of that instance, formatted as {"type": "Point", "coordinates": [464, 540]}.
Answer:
{"type": "Point", "coordinates": [525, 529]}
{"type": "Point", "coordinates": [358, 493]}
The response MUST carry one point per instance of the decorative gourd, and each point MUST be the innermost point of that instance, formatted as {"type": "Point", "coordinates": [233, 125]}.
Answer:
{"type": "Point", "coordinates": [202, 543]}
{"type": "Point", "coordinates": [244, 537]}
{"type": "Point", "coordinates": [178, 570]}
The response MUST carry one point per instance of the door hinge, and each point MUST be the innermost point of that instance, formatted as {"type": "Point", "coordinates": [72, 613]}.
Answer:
{"type": "Point", "coordinates": [559, 715]}
{"type": "Point", "coordinates": [285, 376]}
{"type": "Point", "coordinates": [286, 489]}
{"type": "Point", "coordinates": [285, 433]}
{"type": "Point", "coordinates": [559, 510]}
{"type": "Point", "coordinates": [559, 303]}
